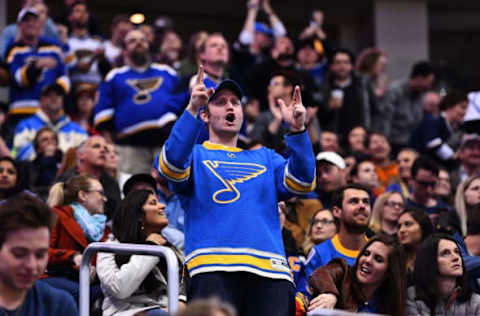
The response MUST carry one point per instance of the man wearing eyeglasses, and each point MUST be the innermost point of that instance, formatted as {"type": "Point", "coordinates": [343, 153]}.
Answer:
{"type": "Point", "coordinates": [425, 177]}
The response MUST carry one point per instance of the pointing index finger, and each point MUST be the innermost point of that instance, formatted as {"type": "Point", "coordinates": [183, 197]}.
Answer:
{"type": "Point", "coordinates": [200, 74]}
{"type": "Point", "coordinates": [297, 96]}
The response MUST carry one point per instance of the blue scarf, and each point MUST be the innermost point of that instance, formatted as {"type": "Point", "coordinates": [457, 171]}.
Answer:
{"type": "Point", "coordinates": [93, 226]}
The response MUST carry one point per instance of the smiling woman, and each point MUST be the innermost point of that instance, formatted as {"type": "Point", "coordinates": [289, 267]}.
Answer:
{"type": "Point", "coordinates": [136, 284]}
{"type": "Point", "coordinates": [375, 284]}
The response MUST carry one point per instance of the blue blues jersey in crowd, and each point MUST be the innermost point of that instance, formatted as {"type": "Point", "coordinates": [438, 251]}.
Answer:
{"type": "Point", "coordinates": [231, 214]}
{"type": "Point", "coordinates": [70, 134]}
{"type": "Point", "coordinates": [322, 254]}
{"type": "Point", "coordinates": [134, 102]}
{"type": "Point", "coordinates": [28, 81]}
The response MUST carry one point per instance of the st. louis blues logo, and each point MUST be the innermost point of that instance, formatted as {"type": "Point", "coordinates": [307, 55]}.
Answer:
{"type": "Point", "coordinates": [231, 173]}
{"type": "Point", "coordinates": [144, 88]}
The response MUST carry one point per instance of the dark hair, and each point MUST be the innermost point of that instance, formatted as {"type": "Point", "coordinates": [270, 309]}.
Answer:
{"type": "Point", "coordinates": [354, 171]}
{"type": "Point", "coordinates": [24, 211]}
{"type": "Point", "coordinates": [127, 225]}
{"type": "Point", "coordinates": [424, 162]}
{"type": "Point", "coordinates": [338, 196]}
{"type": "Point", "coordinates": [426, 273]}
{"type": "Point", "coordinates": [191, 49]}
{"type": "Point", "coordinates": [451, 99]}
{"type": "Point", "coordinates": [367, 59]}
{"type": "Point", "coordinates": [342, 51]}
{"type": "Point", "coordinates": [421, 217]}
{"type": "Point", "coordinates": [393, 287]}
{"type": "Point", "coordinates": [291, 79]}
{"type": "Point", "coordinates": [421, 69]}
{"type": "Point", "coordinates": [22, 179]}
{"type": "Point", "coordinates": [44, 129]}
{"type": "Point", "coordinates": [128, 219]}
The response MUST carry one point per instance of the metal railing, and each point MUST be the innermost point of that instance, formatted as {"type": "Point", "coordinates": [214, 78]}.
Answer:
{"type": "Point", "coordinates": [128, 249]}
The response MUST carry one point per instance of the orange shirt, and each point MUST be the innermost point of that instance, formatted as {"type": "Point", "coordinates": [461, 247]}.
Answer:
{"type": "Point", "coordinates": [387, 174]}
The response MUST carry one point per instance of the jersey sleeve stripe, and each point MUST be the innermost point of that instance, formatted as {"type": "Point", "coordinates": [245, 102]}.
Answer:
{"type": "Point", "coordinates": [171, 172]}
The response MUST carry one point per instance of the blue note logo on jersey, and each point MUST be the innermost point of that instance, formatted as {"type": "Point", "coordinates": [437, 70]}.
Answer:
{"type": "Point", "coordinates": [144, 88]}
{"type": "Point", "coordinates": [231, 173]}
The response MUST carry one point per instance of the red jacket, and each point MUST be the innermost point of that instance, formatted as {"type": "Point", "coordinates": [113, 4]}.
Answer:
{"type": "Point", "coordinates": [67, 238]}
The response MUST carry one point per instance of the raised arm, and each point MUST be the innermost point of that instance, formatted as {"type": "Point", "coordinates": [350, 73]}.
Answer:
{"type": "Point", "coordinates": [173, 162]}
{"type": "Point", "coordinates": [298, 173]}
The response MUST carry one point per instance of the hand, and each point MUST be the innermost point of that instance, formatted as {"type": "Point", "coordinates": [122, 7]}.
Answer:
{"type": "Point", "coordinates": [274, 108]}
{"type": "Point", "coordinates": [46, 62]}
{"type": "Point", "coordinates": [77, 259]}
{"type": "Point", "coordinates": [295, 113]}
{"type": "Point", "coordinates": [200, 94]}
{"type": "Point", "coordinates": [157, 239]}
{"type": "Point", "coordinates": [334, 103]}
{"type": "Point", "coordinates": [327, 301]}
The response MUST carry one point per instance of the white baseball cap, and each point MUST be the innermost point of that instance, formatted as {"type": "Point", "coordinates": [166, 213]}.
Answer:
{"type": "Point", "coordinates": [331, 157]}
{"type": "Point", "coordinates": [25, 11]}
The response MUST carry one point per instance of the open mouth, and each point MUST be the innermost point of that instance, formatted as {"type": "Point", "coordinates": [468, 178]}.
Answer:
{"type": "Point", "coordinates": [230, 117]}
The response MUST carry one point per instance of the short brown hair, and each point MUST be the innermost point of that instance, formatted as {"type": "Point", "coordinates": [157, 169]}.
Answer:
{"type": "Point", "coordinates": [24, 211]}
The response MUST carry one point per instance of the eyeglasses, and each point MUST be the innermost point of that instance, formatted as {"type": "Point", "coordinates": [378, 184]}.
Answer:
{"type": "Point", "coordinates": [393, 204]}
{"type": "Point", "coordinates": [99, 191]}
{"type": "Point", "coordinates": [426, 184]}
{"type": "Point", "coordinates": [323, 221]}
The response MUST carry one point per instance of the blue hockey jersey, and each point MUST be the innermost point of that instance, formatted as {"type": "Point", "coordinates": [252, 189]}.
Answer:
{"type": "Point", "coordinates": [322, 254]}
{"type": "Point", "coordinates": [133, 102]}
{"type": "Point", "coordinates": [231, 213]}
{"type": "Point", "coordinates": [28, 81]}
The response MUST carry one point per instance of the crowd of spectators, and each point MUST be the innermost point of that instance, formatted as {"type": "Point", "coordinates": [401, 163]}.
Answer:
{"type": "Point", "coordinates": [392, 226]}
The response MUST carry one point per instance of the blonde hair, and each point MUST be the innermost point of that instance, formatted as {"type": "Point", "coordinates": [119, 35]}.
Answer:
{"type": "Point", "coordinates": [377, 211]}
{"type": "Point", "coordinates": [460, 204]}
{"type": "Point", "coordinates": [64, 193]}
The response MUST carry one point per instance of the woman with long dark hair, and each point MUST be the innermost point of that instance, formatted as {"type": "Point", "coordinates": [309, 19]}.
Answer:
{"type": "Point", "coordinates": [414, 226]}
{"type": "Point", "coordinates": [441, 283]}
{"type": "Point", "coordinates": [12, 179]}
{"type": "Point", "coordinates": [136, 284]}
{"type": "Point", "coordinates": [375, 284]}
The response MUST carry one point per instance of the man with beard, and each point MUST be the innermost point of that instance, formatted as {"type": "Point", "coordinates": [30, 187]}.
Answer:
{"type": "Point", "coordinates": [88, 51]}
{"type": "Point", "coordinates": [351, 208]}
{"type": "Point", "coordinates": [346, 101]}
{"type": "Point", "coordinates": [137, 105]}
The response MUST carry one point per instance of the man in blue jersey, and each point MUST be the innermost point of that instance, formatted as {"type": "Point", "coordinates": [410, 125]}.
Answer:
{"type": "Point", "coordinates": [34, 63]}
{"type": "Point", "coordinates": [351, 207]}
{"type": "Point", "coordinates": [137, 105]}
{"type": "Point", "coordinates": [51, 114]}
{"type": "Point", "coordinates": [25, 226]}
{"type": "Point", "coordinates": [233, 239]}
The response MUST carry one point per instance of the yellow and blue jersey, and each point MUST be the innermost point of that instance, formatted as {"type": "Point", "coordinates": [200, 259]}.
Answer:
{"type": "Point", "coordinates": [231, 214]}
{"type": "Point", "coordinates": [137, 105]}
{"type": "Point", "coordinates": [28, 81]}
